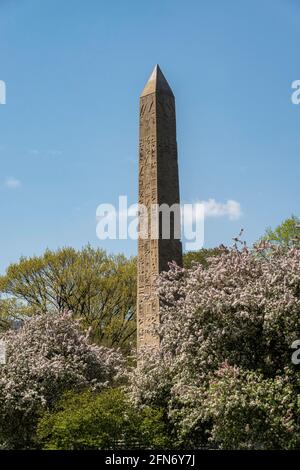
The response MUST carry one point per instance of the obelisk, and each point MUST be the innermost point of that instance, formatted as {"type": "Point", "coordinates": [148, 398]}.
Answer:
{"type": "Point", "coordinates": [158, 184]}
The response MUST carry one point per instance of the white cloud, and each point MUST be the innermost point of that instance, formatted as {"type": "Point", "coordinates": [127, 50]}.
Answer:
{"type": "Point", "coordinates": [191, 212]}
{"type": "Point", "coordinates": [231, 209]}
{"type": "Point", "coordinates": [12, 183]}
{"type": "Point", "coordinates": [43, 153]}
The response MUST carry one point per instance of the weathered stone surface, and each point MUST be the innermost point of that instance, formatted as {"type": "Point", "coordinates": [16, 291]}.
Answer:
{"type": "Point", "coordinates": [158, 184]}
{"type": "Point", "coordinates": [2, 352]}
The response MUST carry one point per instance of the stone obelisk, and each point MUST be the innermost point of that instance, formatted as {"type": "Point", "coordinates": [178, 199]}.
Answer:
{"type": "Point", "coordinates": [158, 184]}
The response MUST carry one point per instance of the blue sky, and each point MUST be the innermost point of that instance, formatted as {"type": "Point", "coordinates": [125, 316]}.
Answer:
{"type": "Point", "coordinates": [69, 130]}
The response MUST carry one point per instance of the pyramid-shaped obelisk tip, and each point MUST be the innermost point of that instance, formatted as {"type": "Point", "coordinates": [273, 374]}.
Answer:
{"type": "Point", "coordinates": [157, 83]}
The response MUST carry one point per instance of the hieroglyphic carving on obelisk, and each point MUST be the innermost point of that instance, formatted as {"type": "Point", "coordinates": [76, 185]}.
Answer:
{"type": "Point", "coordinates": [158, 184]}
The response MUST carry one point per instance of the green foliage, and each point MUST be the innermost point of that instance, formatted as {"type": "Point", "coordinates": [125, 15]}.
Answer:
{"type": "Point", "coordinates": [105, 420]}
{"type": "Point", "coordinates": [4, 315]}
{"type": "Point", "coordinates": [287, 234]}
{"type": "Point", "coordinates": [223, 377]}
{"type": "Point", "coordinates": [46, 357]}
{"type": "Point", "coordinates": [11, 311]}
{"type": "Point", "coordinates": [201, 256]}
{"type": "Point", "coordinates": [98, 288]}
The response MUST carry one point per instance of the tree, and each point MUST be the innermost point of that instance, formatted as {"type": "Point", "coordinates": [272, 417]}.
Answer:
{"type": "Point", "coordinates": [11, 313]}
{"type": "Point", "coordinates": [103, 420]}
{"type": "Point", "coordinates": [243, 407]}
{"type": "Point", "coordinates": [287, 234]}
{"type": "Point", "coordinates": [242, 310]}
{"type": "Point", "coordinates": [96, 287]}
{"type": "Point", "coordinates": [46, 357]}
{"type": "Point", "coordinates": [5, 310]}
{"type": "Point", "coordinates": [201, 256]}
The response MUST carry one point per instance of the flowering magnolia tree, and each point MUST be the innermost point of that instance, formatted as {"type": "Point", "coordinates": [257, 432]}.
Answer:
{"type": "Point", "coordinates": [47, 356]}
{"type": "Point", "coordinates": [223, 372]}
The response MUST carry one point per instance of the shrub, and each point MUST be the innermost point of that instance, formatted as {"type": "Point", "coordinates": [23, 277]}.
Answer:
{"type": "Point", "coordinates": [249, 411]}
{"type": "Point", "coordinates": [103, 420]}
{"type": "Point", "coordinates": [242, 310]}
{"type": "Point", "coordinates": [47, 356]}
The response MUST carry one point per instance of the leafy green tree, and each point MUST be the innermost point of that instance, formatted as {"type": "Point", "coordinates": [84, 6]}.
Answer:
{"type": "Point", "coordinates": [287, 234]}
{"type": "Point", "coordinates": [95, 286]}
{"type": "Point", "coordinates": [105, 420]}
{"type": "Point", "coordinates": [201, 256]}
{"type": "Point", "coordinates": [11, 313]}
{"type": "Point", "coordinates": [4, 315]}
